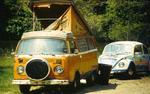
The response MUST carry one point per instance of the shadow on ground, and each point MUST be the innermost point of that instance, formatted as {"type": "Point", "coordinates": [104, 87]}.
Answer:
{"type": "Point", "coordinates": [84, 88]}
{"type": "Point", "coordinates": [123, 77]}
{"type": "Point", "coordinates": [96, 88]}
{"type": "Point", "coordinates": [65, 90]}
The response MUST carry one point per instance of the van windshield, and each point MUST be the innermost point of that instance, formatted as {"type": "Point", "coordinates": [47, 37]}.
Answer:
{"type": "Point", "coordinates": [42, 47]}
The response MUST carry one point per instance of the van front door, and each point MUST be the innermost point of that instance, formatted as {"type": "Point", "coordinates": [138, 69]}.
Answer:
{"type": "Point", "coordinates": [74, 59]}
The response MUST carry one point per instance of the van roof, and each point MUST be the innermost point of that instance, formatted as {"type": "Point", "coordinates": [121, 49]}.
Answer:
{"type": "Point", "coordinates": [47, 34]}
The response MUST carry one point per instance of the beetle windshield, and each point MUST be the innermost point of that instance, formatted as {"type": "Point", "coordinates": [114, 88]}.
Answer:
{"type": "Point", "coordinates": [118, 49]}
{"type": "Point", "coordinates": [42, 47]}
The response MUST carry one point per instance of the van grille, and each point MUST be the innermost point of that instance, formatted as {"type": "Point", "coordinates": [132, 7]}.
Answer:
{"type": "Point", "coordinates": [37, 69]}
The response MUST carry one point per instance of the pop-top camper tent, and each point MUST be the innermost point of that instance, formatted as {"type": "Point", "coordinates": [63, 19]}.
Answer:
{"type": "Point", "coordinates": [60, 15]}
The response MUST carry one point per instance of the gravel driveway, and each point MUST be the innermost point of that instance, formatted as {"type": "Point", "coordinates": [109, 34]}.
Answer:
{"type": "Point", "coordinates": [140, 85]}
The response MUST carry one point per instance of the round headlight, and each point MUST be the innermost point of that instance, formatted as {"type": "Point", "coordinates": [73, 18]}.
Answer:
{"type": "Point", "coordinates": [59, 69]}
{"type": "Point", "coordinates": [121, 64]}
{"type": "Point", "coordinates": [20, 69]}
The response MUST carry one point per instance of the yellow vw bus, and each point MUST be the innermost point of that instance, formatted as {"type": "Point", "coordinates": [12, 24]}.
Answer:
{"type": "Point", "coordinates": [54, 58]}
{"type": "Point", "coordinates": [61, 54]}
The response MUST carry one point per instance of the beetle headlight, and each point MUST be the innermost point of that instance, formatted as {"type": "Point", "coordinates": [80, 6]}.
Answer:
{"type": "Point", "coordinates": [59, 69]}
{"type": "Point", "coordinates": [20, 69]}
{"type": "Point", "coordinates": [121, 64]}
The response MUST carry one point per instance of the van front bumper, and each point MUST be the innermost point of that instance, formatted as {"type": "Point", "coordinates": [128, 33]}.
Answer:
{"type": "Point", "coordinates": [44, 82]}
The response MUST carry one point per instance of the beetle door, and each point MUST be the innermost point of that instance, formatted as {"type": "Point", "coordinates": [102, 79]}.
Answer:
{"type": "Point", "coordinates": [140, 58]}
{"type": "Point", "coordinates": [145, 58]}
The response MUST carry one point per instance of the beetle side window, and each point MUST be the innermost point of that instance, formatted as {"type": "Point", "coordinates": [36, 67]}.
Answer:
{"type": "Point", "coordinates": [138, 49]}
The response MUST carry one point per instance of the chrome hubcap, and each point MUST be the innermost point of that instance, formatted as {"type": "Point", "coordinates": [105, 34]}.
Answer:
{"type": "Point", "coordinates": [130, 72]}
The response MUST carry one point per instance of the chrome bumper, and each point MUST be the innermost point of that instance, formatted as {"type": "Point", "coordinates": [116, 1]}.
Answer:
{"type": "Point", "coordinates": [117, 71]}
{"type": "Point", "coordinates": [44, 82]}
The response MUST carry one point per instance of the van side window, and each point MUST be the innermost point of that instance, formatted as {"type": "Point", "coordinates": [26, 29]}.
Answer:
{"type": "Point", "coordinates": [138, 49]}
{"type": "Point", "coordinates": [90, 43]}
{"type": "Point", "coordinates": [145, 50]}
{"type": "Point", "coordinates": [82, 45]}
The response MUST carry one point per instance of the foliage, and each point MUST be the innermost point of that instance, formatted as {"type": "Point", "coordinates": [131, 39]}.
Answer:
{"type": "Point", "coordinates": [109, 20]}
{"type": "Point", "coordinates": [6, 67]}
{"type": "Point", "coordinates": [128, 19]}
{"type": "Point", "coordinates": [90, 10]}
{"type": "Point", "coordinates": [117, 19]}
{"type": "Point", "coordinates": [20, 16]}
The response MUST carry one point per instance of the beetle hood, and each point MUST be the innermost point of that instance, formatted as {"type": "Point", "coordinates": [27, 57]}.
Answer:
{"type": "Point", "coordinates": [111, 59]}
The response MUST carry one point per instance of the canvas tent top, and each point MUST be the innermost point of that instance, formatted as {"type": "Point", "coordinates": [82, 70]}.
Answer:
{"type": "Point", "coordinates": [53, 13]}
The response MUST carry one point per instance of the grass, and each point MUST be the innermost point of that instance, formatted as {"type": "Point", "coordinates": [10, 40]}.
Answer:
{"type": "Point", "coordinates": [6, 76]}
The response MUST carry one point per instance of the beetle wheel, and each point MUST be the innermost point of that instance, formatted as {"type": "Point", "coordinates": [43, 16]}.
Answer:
{"type": "Point", "coordinates": [131, 71]}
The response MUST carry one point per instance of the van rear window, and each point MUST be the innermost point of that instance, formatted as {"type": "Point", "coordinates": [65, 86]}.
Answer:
{"type": "Point", "coordinates": [90, 44]}
{"type": "Point", "coordinates": [82, 44]}
{"type": "Point", "coordinates": [85, 44]}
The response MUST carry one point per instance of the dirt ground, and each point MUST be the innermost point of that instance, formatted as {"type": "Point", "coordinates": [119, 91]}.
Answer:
{"type": "Point", "coordinates": [140, 85]}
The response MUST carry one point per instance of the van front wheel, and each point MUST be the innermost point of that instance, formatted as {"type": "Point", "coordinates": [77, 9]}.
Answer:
{"type": "Point", "coordinates": [91, 78]}
{"type": "Point", "coordinates": [76, 82]}
{"type": "Point", "coordinates": [104, 73]}
{"type": "Point", "coordinates": [24, 89]}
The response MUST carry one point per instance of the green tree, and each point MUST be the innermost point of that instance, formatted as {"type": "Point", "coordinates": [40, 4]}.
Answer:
{"type": "Point", "coordinates": [20, 19]}
{"type": "Point", "coordinates": [128, 19]}
{"type": "Point", "coordinates": [93, 12]}
{"type": "Point", "coordinates": [117, 19]}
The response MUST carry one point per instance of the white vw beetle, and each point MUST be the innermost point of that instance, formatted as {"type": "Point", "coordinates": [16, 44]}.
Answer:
{"type": "Point", "coordinates": [126, 57]}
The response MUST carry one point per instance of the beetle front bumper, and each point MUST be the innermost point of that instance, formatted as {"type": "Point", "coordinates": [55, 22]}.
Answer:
{"type": "Point", "coordinates": [44, 82]}
{"type": "Point", "coordinates": [117, 71]}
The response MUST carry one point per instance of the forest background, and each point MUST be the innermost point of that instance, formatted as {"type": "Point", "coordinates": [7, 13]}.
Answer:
{"type": "Point", "coordinates": [109, 20]}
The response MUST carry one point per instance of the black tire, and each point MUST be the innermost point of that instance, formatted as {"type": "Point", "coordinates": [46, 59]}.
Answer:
{"type": "Point", "coordinates": [76, 83]}
{"type": "Point", "coordinates": [97, 76]}
{"type": "Point", "coordinates": [24, 89]}
{"type": "Point", "coordinates": [104, 74]}
{"type": "Point", "coordinates": [131, 71]}
{"type": "Point", "coordinates": [91, 78]}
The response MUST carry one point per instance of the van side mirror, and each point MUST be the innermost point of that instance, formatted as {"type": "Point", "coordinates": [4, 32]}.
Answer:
{"type": "Point", "coordinates": [12, 53]}
{"type": "Point", "coordinates": [76, 51]}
